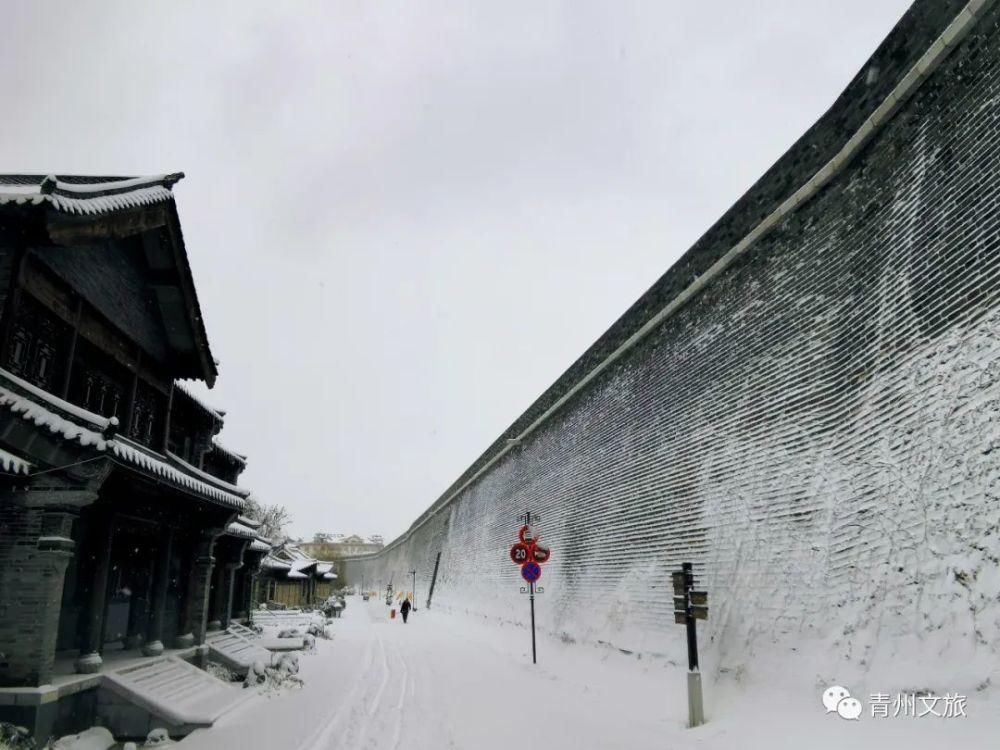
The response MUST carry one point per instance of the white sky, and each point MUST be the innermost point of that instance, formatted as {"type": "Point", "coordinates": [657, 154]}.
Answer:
{"type": "Point", "coordinates": [406, 220]}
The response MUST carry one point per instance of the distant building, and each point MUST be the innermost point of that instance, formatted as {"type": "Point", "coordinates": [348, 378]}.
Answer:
{"type": "Point", "coordinates": [343, 546]}
{"type": "Point", "coordinates": [292, 577]}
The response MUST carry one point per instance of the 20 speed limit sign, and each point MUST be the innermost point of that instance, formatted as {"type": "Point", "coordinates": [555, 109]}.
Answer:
{"type": "Point", "coordinates": [520, 553]}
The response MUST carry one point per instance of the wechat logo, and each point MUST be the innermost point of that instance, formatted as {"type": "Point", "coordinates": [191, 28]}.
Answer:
{"type": "Point", "coordinates": [838, 699]}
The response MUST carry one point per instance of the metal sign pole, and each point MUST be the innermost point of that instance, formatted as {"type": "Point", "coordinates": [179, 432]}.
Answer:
{"type": "Point", "coordinates": [689, 606]}
{"type": "Point", "coordinates": [534, 658]}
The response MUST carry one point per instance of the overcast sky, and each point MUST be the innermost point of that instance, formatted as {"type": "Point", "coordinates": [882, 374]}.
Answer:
{"type": "Point", "coordinates": [407, 219]}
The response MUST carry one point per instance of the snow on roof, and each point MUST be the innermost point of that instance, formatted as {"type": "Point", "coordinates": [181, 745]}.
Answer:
{"type": "Point", "coordinates": [237, 457]}
{"type": "Point", "coordinates": [12, 464]}
{"type": "Point", "coordinates": [300, 565]}
{"type": "Point", "coordinates": [139, 456]}
{"type": "Point", "coordinates": [294, 553]}
{"type": "Point", "coordinates": [86, 195]}
{"type": "Point", "coordinates": [73, 410]}
{"type": "Point", "coordinates": [210, 478]}
{"type": "Point", "coordinates": [259, 545]}
{"type": "Point", "coordinates": [247, 521]}
{"type": "Point", "coordinates": [324, 567]}
{"type": "Point", "coordinates": [329, 576]}
{"type": "Point", "coordinates": [121, 448]}
{"type": "Point", "coordinates": [43, 417]}
{"type": "Point", "coordinates": [244, 532]}
{"type": "Point", "coordinates": [270, 563]}
{"type": "Point", "coordinates": [216, 414]}
{"type": "Point", "coordinates": [296, 574]}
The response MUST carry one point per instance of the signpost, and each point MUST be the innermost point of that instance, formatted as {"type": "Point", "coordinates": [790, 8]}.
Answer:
{"type": "Point", "coordinates": [530, 553]}
{"type": "Point", "coordinates": [691, 605]}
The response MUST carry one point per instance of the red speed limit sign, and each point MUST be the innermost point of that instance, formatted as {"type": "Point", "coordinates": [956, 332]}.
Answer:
{"type": "Point", "coordinates": [520, 553]}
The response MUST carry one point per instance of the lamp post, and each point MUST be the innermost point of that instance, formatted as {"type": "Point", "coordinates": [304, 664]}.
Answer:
{"type": "Point", "coordinates": [413, 591]}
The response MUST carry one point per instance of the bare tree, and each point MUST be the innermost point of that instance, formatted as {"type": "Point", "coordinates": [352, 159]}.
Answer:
{"type": "Point", "coordinates": [272, 518]}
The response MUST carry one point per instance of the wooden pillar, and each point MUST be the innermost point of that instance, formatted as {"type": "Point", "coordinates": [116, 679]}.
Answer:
{"type": "Point", "coordinates": [199, 588]}
{"type": "Point", "coordinates": [161, 577]}
{"type": "Point", "coordinates": [92, 620]}
{"type": "Point", "coordinates": [217, 594]}
{"type": "Point", "coordinates": [227, 614]}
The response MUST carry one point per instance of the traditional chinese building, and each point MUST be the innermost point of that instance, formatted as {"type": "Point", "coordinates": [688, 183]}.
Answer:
{"type": "Point", "coordinates": [291, 577]}
{"type": "Point", "coordinates": [119, 510]}
{"type": "Point", "coordinates": [343, 546]}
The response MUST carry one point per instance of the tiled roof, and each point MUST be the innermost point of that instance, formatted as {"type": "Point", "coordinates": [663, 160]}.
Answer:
{"type": "Point", "coordinates": [86, 195]}
{"type": "Point", "coordinates": [184, 389]}
{"type": "Point", "coordinates": [270, 563]}
{"type": "Point", "coordinates": [231, 454]}
{"type": "Point", "coordinates": [244, 532]}
{"type": "Point", "coordinates": [63, 419]}
{"type": "Point", "coordinates": [258, 545]}
{"type": "Point", "coordinates": [11, 464]}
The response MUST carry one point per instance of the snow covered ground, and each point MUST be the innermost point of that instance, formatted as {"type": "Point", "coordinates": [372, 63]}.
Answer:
{"type": "Point", "coordinates": [448, 680]}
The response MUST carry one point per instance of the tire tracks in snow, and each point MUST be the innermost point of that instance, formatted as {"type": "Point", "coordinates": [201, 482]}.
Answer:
{"type": "Point", "coordinates": [320, 737]}
{"type": "Point", "coordinates": [405, 682]}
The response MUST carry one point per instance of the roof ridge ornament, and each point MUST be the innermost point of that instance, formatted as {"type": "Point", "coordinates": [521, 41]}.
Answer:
{"type": "Point", "coordinates": [48, 185]}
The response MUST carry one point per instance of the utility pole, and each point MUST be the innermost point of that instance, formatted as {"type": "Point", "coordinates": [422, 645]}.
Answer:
{"type": "Point", "coordinates": [413, 591]}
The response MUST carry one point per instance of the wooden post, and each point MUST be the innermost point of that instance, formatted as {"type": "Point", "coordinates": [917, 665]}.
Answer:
{"type": "Point", "coordinates": [90, 660]}
{"type": "Point", "coordinates": [161, 577]}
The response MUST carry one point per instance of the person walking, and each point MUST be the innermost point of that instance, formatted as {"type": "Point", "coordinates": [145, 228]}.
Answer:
{"type": "Point", "coordinates": [404, 609]}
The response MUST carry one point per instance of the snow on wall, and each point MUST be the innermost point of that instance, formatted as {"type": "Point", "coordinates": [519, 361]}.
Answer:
{"type": "Point", "coordinates": [818, 431]}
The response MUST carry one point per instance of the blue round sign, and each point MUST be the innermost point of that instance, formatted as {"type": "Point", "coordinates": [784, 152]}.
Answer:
{"type": "Point", "coordinates": [531, 571]}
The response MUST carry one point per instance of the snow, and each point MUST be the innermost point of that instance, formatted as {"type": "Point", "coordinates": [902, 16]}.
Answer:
{"type": "Point", "coordinates": [238, 529]}
{"type": "Point", "coordinates": [96, 420]}
{"type": "Point", "coordinates": [12, 464]}
{"type": "Point", "coordinates": [450, 680]}
{"type": "Point", "coordinates": [210, 478]}
{"type": "Point", "coordinates": [189, 392]}
{"type": "Point", "coordinates": [87, 204]}
{"type": "Point", "coordinates": [99, 187]}
{"type": "Point", "coordinates": [135, 454]}
{"type": "Point", "coordinates": [270, 563]}
{"type": "Point", "coordinates": [121, 447]}
{"type": "Point", "coordinates": [238, 457]}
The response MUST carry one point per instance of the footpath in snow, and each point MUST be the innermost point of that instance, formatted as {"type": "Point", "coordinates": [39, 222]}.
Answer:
{"type": "Point", "coordinates": [455, 681]}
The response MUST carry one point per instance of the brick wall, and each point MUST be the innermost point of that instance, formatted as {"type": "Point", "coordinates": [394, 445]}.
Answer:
{"type": "Point", "coordinates": [31, 584]}
{"type": "Point", "coordinates": [817, 430]}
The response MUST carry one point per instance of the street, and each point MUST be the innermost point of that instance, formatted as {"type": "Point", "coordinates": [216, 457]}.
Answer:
{"type": "Point", "coordinates": [449, 681]}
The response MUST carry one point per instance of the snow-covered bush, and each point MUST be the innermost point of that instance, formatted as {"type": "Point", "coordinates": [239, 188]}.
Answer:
{"type": "Point", "coordinates": [15, 738]}
{"type": "Point", "coordinates": [221, 671]}
{"type": "Point", "coordinates": [158, 737]}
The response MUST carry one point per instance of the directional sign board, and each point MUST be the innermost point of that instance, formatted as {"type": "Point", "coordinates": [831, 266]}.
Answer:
{"type": "Point", "coordinates": [531, 572]}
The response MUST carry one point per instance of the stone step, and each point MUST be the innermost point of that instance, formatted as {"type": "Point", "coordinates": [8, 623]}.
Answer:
{"type": "Point", "coordinates": [235, 651]}
{"type": "Point", "coordinates": [174, 690]}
